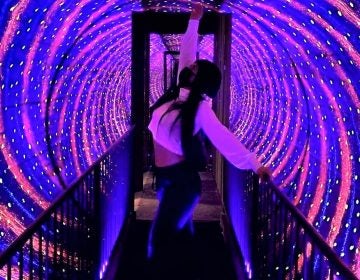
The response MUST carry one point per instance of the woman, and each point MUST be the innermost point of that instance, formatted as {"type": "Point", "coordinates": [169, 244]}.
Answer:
{"type": "Point", "coordinates": [176, 117]}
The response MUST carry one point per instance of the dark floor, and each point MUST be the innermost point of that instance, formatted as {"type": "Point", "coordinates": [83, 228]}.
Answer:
{"type": "Point", "coordinates": [213, 262]}
{"type": "Point", "coordinates": [210, 259]}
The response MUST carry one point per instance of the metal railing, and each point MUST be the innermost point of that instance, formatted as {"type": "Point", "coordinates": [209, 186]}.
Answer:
{"type": "Point", "coordinates": [64, 241]}
{"type": "Point", "coordinates": [293, 247]}
{"type": "Point", "coordinates": [278, 242]}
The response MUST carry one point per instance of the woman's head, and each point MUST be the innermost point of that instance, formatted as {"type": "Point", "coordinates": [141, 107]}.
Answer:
{"type": "Point", "coordinates": [203, 76]}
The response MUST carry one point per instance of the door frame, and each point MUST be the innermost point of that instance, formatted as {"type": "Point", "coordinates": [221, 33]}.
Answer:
{"type": "Point", "coordinates": [144, 23]}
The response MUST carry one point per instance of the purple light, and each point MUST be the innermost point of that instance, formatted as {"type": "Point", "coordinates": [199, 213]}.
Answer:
{"type": "Point", "coordinates": [294, 99]}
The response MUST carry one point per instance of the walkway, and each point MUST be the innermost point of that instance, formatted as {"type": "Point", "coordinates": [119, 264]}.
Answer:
{"type": "Point", "coordinates": [213, 263]}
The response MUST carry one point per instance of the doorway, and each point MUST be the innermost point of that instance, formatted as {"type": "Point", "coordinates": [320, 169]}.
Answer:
{"type": "Point", "coordinates": [143, 25]}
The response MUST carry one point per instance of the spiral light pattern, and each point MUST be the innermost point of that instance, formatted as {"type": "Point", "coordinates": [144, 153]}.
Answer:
{"type": "Point", "coordinates": [65, 70]}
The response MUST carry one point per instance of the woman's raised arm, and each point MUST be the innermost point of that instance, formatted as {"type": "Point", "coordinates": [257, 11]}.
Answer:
{"type": "Point", "coordinates": [189, 41]}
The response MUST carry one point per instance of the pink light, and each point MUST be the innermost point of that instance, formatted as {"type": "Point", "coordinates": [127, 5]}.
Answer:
{"type": "Point", "coordinates": [356, 266]}
{"type": "Point", "coordinates": [345, 155]}
{"type": "Point", "coordinates": [304, 173]}
{"type": "Point", "coordinates": [245, 130]}
{"type": "Point", "coordinates": [79, 94]}
{"type": "Point", "coordinates": [312, 39]}
{"type": "Point", "coordinates": [294, 170]}
{"type": "Point", "coordinates": [351, 51]}
{"type": "Point", "coordinates": [95, 15]}
{"type": "Point", "coordinates": [271, 92]}
{"type": "Point", "coordinates": [29, 131]}
{"type": "Point", "coordinates": [53, 50]}
{"type": "Point", "coordinates": [5, 147]}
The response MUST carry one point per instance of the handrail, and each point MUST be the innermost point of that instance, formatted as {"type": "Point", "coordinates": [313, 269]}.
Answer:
{"type": "Point", "coordinates": [314, 234]}
{"type": "Point", "coordinates": [22, 238]}
{"type": "Point", "coordinates": [317, 240]}
{"type": "Point", "coordinates": [273, 239]}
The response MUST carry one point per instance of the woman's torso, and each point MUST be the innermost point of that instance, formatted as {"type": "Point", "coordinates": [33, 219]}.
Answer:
{"type": "Point", "coordinates": [166, 137]}
{"type": "Point", "coordinates": [167, 133]}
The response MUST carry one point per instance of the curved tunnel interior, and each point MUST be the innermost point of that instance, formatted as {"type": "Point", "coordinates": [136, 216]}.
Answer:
{"type": "Point", "coordinates": [65, 69]}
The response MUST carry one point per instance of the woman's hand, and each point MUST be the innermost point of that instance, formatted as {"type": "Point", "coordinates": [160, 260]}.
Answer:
{"type": "Point", "coordinates": [197, 12]}
{"type": "Point", "coordinates": [264, 173]}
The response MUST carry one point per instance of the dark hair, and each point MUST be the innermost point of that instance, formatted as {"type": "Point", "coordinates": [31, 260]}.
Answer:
{"type": "Point", "coordinates": [207, 81]}
{"type": "Point", "coordinates": [208, 78]}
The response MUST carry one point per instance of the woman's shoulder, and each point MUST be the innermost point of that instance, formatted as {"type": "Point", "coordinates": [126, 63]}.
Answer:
{"type": "Point", "coordinates": [205, 105]}
{"type": "Point", "coordinates": [204, 110]}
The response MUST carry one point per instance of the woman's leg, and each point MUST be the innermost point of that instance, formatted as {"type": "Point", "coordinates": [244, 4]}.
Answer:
{"type": "Point", "coordinates": [172, 225]}
{"type": "Point", "coordinates": [177, 204]}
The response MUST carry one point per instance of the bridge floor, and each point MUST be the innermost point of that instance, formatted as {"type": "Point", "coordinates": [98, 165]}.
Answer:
{"type": "Point", "coordinates": [212, 262]}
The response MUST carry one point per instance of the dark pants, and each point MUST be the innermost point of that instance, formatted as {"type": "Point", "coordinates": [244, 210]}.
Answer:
{"type": "Point", "coordinates": [171, 238]}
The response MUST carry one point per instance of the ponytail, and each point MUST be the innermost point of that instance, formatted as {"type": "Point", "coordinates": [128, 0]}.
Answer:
{"type": "Point", "coordinates": [207, 81]}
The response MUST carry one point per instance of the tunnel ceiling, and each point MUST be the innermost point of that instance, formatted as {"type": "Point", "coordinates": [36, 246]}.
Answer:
{"type": "Point", "coordinates": [66, 83]}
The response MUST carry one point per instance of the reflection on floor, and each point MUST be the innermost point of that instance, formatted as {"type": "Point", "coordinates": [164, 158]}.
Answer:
{"type": "Point", "coordinates": [212, 261]}
{"type": "Point", "coordinates": [208, 209]}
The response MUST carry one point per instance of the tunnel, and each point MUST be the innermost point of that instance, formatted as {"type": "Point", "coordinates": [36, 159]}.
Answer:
{"type": "Point", "coordinates": [67, 98]}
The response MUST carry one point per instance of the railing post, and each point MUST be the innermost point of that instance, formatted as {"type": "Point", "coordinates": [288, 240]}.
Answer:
{"type": "Point", "coordinates": [255, 225]}
{"type": "Point", "coordinates": [9, 269]}
{"type": "Point", "coordinates": [97, 220]}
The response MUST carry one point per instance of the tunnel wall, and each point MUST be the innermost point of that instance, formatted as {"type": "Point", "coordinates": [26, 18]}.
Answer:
{"type": "Point", "coordinates": [65, 91]}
